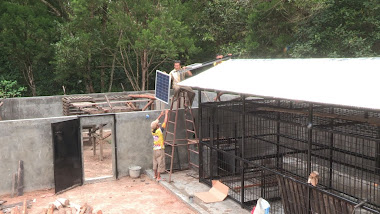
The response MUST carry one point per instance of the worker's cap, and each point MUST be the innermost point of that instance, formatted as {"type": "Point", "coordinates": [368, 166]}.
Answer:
{"type": "Point", "coordinates": [154, 124]}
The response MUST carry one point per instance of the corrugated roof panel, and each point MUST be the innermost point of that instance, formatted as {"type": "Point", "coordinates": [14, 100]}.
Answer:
{"type": "Point", "coordinates": [348, 82]}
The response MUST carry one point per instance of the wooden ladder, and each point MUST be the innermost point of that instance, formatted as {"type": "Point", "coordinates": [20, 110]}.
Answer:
{"type": "Point", "coordinates": [171, 130]}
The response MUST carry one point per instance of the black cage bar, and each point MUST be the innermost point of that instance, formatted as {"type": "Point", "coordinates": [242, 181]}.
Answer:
{"type": "Point", "coordinates": [249, 144]}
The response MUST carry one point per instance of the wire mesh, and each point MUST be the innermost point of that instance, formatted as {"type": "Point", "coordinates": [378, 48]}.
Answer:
{"type": "Point", "coordinates": [290, 138]}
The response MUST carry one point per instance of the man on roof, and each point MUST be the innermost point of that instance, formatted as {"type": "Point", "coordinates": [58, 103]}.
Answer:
{"type": "Point", "coordinates": [178, 74]}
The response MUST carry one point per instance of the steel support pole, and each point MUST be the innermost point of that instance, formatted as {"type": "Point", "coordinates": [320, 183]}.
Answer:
{"type": "Point", "coordinates": [242, 149]}
{"type": "Point", "coordinates": [200, 144]}
{"type": "Point", "coordinates": [310, 139]}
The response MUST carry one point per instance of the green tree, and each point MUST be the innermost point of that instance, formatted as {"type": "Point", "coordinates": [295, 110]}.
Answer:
{"type": "Point", "coordinates": [26, 32]}
{"type": "Point", "coordinates": [150, 34]}
{"type": "Point", "coordinates": [273, 25]}
{"type": "Point", "coordinates": [10, 89]}
{"type": "Point", "coordinates": [78, 53]}
{"type": "Point", "coordinates": [220, 26]}
{"type": "Point", "coordinates": [345, 28]}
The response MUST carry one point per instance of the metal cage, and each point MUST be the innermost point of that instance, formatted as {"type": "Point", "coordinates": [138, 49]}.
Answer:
{"type": "Point", "coordinates": [250, 143]}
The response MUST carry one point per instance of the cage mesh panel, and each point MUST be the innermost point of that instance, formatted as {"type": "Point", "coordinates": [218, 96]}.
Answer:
{"type": "Point", "coordinates": [344, 150]}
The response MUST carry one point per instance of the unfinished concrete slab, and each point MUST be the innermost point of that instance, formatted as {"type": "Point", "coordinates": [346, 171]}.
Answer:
{"type": "Point", "coordinates": [184, 184]}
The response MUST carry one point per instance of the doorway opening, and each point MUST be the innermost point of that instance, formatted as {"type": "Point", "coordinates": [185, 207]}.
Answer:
{"type": "Point", "coordinates": [97, 151]}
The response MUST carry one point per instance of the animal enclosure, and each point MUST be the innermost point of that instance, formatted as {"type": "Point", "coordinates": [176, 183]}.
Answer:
{"type": "Point", "coordinates": [268, 147]}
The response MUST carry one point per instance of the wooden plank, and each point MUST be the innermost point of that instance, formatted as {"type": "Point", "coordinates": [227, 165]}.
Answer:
{"type": "Point", "coordinates": [314, 201]}
{"type": "Point", "coordinates": [304, 198]}
{"type": "Point", "coordinates": [25, 207]}
{"type": "Point", "coordinates": [321, 202]}
{"type": "Point", "coordinates": [101, 143]}
{"type": "Point", "coordinates": [20, 178]}
{"type": "Point", "coordinates": [7, 206]}
{"type": "Point", "coordinates": [350, 208]}
{"type": "Point", "coordinates": [150, 96]}
{"type": "Point", "coordinates": [147, 105]}
{"type": "Point", "coordinates": [15, 210]}
{"type": "Point", "coordinates": [297, 199]}
{"type": "Point", "coordinates": [108, 102]}
{"type": "Point", "coordinates": [327, 204]}
{"type": "Point", "coordinates": [50, 209]}
{"type": "Point", "coordinates": [14, 185]}
{"type": "Point", "coordinates": [290, 198]}
{"type": "Point", "coordinates": [332, 205]}
{"type": "Point", "coordinates": [345, 207]}
{"type": "Point", "coordinates": [338, 207]}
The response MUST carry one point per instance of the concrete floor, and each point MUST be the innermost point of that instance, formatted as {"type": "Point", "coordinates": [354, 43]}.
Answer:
{"type": "Point", "coordinates": [184, 185]}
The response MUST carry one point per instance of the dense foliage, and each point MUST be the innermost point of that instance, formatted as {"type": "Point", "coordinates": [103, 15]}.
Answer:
{"type": "Point", "coordinates": [88, 46]}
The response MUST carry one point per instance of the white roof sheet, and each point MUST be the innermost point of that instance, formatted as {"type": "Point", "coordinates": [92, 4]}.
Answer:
{"type": "Point", "coordinates": [348, 82]}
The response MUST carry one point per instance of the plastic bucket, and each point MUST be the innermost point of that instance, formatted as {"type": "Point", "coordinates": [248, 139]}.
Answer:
{"type": "Point", "coordinates": [134, 171]}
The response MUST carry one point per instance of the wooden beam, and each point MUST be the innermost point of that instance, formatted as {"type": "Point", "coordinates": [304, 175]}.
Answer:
{"type": "Point", "coordinates": [149, 96]}
{"type": "Point", "coordinates": [14, 185]}
{"type": "Point", "coordinates": [24, 207]}
{"type": "Point", "coordinates": [101, 143]}
{"type": "Point", "coordinates": [147, 105]}
{"type": "Point", "coordinates": [20, 178]}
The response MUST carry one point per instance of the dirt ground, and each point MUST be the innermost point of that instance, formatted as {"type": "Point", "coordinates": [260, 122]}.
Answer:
{"type": "Point", "coordinates": [125, 195]}
{"type": "Point", "coordinates": [93, 167]}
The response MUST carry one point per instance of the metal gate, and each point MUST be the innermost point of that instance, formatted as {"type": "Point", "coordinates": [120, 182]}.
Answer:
{"type": "Point", "coordinates": [67, 155]}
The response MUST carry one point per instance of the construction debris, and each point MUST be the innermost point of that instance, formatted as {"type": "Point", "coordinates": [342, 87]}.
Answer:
{"type": "Point", "coordinates": [217, 193]}
{"type": "Point", "coordinates": [64, 206]}
{"type": "Point", "coordinates": [74, 105]}
{"type": "Point", "coordinates": [20, 207]}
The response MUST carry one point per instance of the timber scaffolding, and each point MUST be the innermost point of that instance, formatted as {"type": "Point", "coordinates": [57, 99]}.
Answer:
{"type": "Point", "coordinates": [267, 148]}
{"type": "Point", "coordinates": [77, 105]}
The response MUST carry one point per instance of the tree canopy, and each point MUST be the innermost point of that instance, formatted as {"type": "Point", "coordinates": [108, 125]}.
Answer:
{"type": "Point", "coordinates": [90, 46]}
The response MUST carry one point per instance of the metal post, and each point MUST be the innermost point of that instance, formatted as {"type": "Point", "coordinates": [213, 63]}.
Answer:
{"type": "Point", "coordinates": [310, 138]}
{"type": "Point", "coordinates": [377, 168]}
{"type": "Point", "coordinates": [242, 151]}
{"type": "Point", "coordinates": [331, 139]}
{"type": "Point", "coordinates": [200, 143]}
{"type": "Point", "coordinates": [278, 138]}
{"type": "Point", "coordinates": [211, 164]}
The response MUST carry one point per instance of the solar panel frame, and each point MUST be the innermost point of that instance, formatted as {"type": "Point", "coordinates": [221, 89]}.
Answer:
{"type": "Point", "coordinates": [162, 86]}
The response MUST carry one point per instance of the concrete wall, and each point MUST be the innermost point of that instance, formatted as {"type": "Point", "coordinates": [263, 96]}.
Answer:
{"type": "Point", "coordinates": [30, 140]}
{"type": "Point", "coordinates": [42, 107]}
{"type": "Point", "coordinates": [135, 143]}
{"type": "Point", "coordinates": [51, 106]}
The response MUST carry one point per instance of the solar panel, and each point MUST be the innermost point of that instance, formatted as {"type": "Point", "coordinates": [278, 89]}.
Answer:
{"type": "Point", "coordinates": [162, 91]}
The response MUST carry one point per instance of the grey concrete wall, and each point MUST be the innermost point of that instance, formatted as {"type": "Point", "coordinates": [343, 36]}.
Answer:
{"type": "Point", "coordinates": [51, 106]}
{"type": "Point", "coordinates": [30, 141]}
{"type": "Point", "coordinates": [135, 142]}
{"type": "Point", "coordinates": [42, 107]}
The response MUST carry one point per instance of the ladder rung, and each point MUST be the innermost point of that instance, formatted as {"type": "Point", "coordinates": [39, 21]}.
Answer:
{"type": "Point", "coordinates": [192, 140]}
{"type": "Point", "coordinates": [170, 144]}
{"type": "Point", "coordinates": [171, 122]}
{"type": "Point", "coordinates": [190, 121]}
{"type": "Point", "coordinates": [170, 133]}
{"type": "Point", "coordinates": [196, 152]}
{"type": "Point", "coordinates": [168, 155]}
{"type": "Point", "coordinates": [188, 130]}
